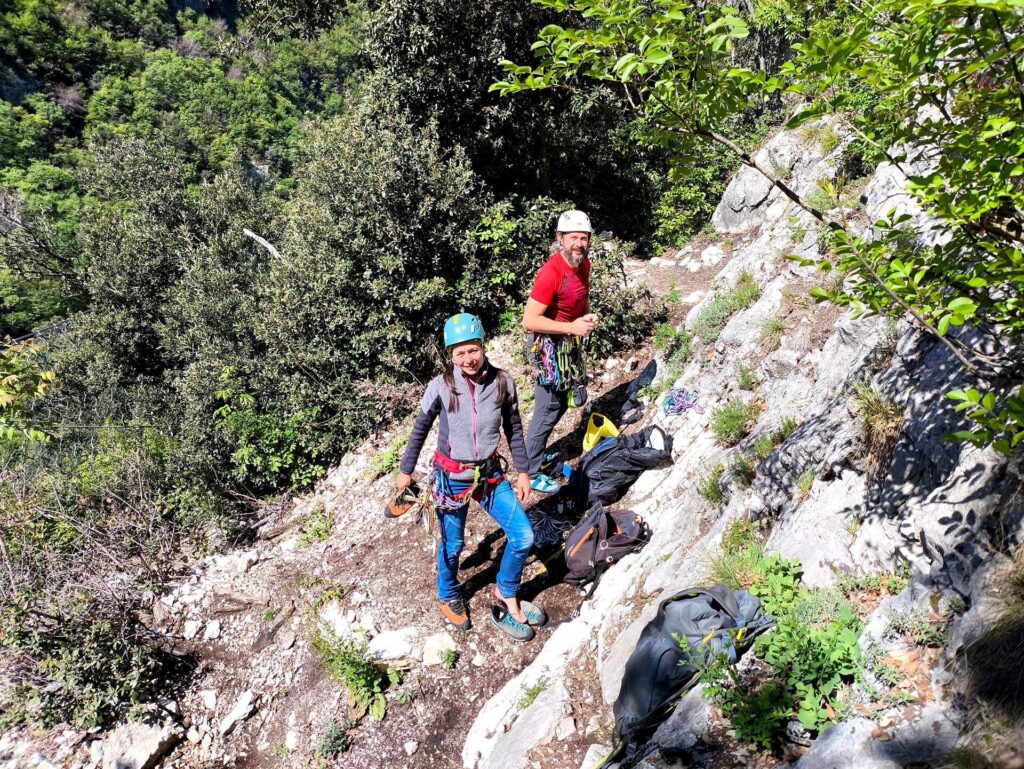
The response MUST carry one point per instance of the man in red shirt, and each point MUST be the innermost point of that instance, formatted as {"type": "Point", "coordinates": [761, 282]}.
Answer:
{"type": "Point", "coordinates": [558, 307]}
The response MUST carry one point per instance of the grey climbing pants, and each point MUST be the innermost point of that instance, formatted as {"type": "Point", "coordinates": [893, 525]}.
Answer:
{"type": "Point", "coordinates": [549, 406]}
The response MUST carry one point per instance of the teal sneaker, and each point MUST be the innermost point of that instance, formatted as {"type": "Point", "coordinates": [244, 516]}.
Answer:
{"type": "Point", "coordinates": [544, 484]}
{"type": "Point", "coordinates": [503, 620]}
{"type": "Point", "coordinates": [535, 616]}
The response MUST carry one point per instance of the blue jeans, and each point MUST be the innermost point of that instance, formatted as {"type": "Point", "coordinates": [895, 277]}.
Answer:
{"type": "Point", "coordinates": [501, 504]}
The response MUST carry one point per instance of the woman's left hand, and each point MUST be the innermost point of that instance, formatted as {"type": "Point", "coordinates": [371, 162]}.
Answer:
{"type": "Point", "coordinates": [523, 487]}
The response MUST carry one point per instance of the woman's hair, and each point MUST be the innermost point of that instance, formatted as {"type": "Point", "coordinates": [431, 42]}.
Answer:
{"type": "Point", "coordinates": [448, 377]}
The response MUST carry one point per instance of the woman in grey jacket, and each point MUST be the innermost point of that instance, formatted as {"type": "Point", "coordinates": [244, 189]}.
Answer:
{"type": "Point", "coordinates": [475, 402]}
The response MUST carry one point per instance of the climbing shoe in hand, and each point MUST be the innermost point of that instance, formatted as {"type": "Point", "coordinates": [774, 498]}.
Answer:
{"type": "Point", "coordinates": [502, 619]}
{"type": "Point", "coordinates": [456, 613]}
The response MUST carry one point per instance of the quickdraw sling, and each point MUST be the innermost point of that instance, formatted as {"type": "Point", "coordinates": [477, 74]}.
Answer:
{"type": "Point", "coordinates": [559, 362]}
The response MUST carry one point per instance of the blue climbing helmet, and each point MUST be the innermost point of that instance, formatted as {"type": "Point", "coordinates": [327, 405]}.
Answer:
{"type": "Point", "coordinates": [463, 327]}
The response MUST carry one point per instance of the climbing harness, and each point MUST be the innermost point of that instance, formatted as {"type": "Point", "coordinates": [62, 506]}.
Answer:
{"type": "Point", "coordinates": [486, 475]}
{"type": "Point", "coordinates": [679, 399]}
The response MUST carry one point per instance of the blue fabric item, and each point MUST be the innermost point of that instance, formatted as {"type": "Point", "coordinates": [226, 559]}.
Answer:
{"type": "Point", "coordinates": [501, 504]}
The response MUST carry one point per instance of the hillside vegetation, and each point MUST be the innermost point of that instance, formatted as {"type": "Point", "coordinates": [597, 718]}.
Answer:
{"type": "Point", "coordinates": [236, 228]}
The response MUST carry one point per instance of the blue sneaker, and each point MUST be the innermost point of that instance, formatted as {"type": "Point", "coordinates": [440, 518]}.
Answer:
{"type": "Point", "coordinates": [503, 620]}
{"type": "Point", "coordinates": [544, 484]}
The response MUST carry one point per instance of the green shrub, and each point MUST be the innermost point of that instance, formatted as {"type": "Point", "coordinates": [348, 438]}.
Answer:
{"type": "Point", "coordinates": [742, 471]}
{"type": "Point", "coordinates": [919, 628]}
{"type": "Point", "coordinates": [672, 297]}
{"type": "Point", "coordinates": [386, 462]}
{"type": "Point", "coordinates": [716, 313]}
{"type": "Point", "coordinates": [348, 663]}
{"type": "Point", "coordinates": [733, 421]}
{"type": "Point", "coordinates": [771, 333]}
{"type": "Point", "coordinates": [710, 486]}
{"type": "Point", "coordinates": [712, 318]}
{"type": "Point", "coordinates": [336, 739]}
{"type": "Point", "coordinates": [628, 314]}
{"type": "Point", "coordinates": [804, 482]}
{"type": "Point", "coordinates": [449, 658]}
{"type": "Point", "coordinates": [882, 419]}
{"type": "Point", "coordinates": [745, 292]}
{"type": "Point", "coordinates": [813, 653]}
{"type": "Point", "coordinates": [689, 199]}
{"type": "Point", "coordinates": [820, 200]}
{"type": "Point", "coordinates": [317, 527]}
{"type": "Point", "coordinates": [84, 662]}
{"type": "Point", "coordinates": [530, 693]}
{"type": "Point", "coordinates": [746, 378]}
{"type": "Point", "coordinates": [786, 428]}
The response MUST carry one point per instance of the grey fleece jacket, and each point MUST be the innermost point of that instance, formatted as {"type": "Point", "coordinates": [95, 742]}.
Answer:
{"type": "Point", "coordinates": [471, 433]}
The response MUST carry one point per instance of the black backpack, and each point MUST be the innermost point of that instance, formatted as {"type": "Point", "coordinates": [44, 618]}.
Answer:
{"type": "Point", "coordinates": [606, 472]}
{"type": "Point", "coordinates": [599, 540]}
{"type": "Point", "coordinates": [711, 621]}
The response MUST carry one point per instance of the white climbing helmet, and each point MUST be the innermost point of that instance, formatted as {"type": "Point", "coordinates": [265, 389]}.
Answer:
{"type": "Point", "coordinates": [573, 221]}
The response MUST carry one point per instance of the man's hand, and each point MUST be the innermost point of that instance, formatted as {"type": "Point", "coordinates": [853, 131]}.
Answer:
{"type": "Point", "coordinates": [583, 326]}
{"type": "Point", "coordinates": [403, 481]}
{"type": "Point", "coordinates": [523, 487]}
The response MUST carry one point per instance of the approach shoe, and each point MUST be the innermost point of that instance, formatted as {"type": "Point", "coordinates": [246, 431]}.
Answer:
{"type": "Point", "coordinates": [535, 616]}
{"type": "Point", "coordinates": [455, 612]}
{"type": "Point", "coordinates": [502, 619]}
{"type": "Point", "coordinates": [544, 484]}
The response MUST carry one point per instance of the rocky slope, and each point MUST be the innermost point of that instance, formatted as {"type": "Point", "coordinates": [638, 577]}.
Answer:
{"type": "Point", "coordinates": [829, 495]}
{"type": "Point", "coordinates": [946, 508]}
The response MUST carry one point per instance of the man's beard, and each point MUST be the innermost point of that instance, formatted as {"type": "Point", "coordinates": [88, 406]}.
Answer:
{"type": "Point", "coordinates": [574, 260]}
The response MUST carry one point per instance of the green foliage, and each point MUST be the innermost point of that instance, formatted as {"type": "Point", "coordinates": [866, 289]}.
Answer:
{"type": "Point", "coordinates": [508, 245]}
{"type": "Point", "coordinates": [689, 198]}
{"type": "Point", "coordinates": [709, 486]}
{"type": "Point", "coordinates": [349, 664]}
{"type": "Point", "coordinates": [771, 332]}
{"type": "Point", "coordinates": [271, 448]}
{"type": "Point", "coordinates": [336, 739]}
{"type": "Point", "coordinates": [386, 462]}
{"type": "Point", "coordinates": [530, 693]}
{"type": "Point", "coordinates": [733, 421]}
{"type": "Point", "coordinates": [882, 419]}
{"type": "Point", "coordinates": [804, 482]}
{"type": "Point", "coordinates": [918, 628]}
{"type": "Point", "coordinates": [672, 297]}
{"type": "Point", "coordinates": [764, 445]}
{"type": "Point", "coordinates": [813, 654]}
{"type": "Point", "coordinates": [713, 317]}
{"type": "Point", "coordinates": [742, 471]}
{"type": "Point", "coordinates": [875, 66]}
{"type": "Point", "coordinates": [739, 560]}
{"type": "Point", "coordinates": [746, 379]}
{"type": "Point", "coordinates": [887, 583]}
{"type": "Point", "coordinates": [84, 662]}
{"type": "Point", "coordinates": [317, 527]}
{"type": "Point", "coordinates": [820, 200]}
{"type": "Point", "coordinates": [449, 658]}
{"type": "Point", "coordinates": [628, 314]}
{"type": "Point", "coordinates": [22, 382]}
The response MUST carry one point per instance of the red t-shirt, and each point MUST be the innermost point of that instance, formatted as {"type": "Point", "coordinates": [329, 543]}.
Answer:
{"type": "Point", "coordinates": [564, 290]}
